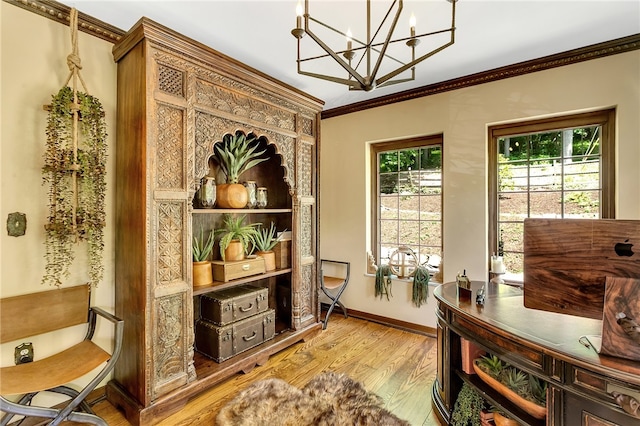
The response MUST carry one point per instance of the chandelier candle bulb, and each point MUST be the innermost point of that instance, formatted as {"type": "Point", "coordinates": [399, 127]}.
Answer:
{"type": "Point", "coordinates": [412, 24]}
{"type": "Point", "coordinates": [299, 15]}
{"type": "Point", "coordinates": [349, 45]}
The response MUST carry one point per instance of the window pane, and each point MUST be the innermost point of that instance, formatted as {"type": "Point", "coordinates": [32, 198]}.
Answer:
{"type": "Point", "coordinates": [512, 235]}
{"type": "Point", "coordinates": [388, 162]}
{"type": "Point", "coordinates": [389, 183]}
{"type": "Point", "coordinates": [512, 206]}
{"type": "Point", "coordinates": [409, 160]}
{"type": "Point", "coordinates": [546, 204]}
{"type": "Point", "coordinates": [513, 262]}
{"type": "Point", "coordinates": [409, 205]}
{"type": "Point", "coordinates": [582, 175]}
{"type": "Point", "coordinates": [430, 233]}
{"type": "Point", "coordinates": [582, 204]}
{"type": "Point", "coordinates": [430, 207]}
{"type": "Point", "coordinates": [389, 232]}
{"type": "Point", "coordinates": [545, 176]}
{"type": "Point", "coordinates": [389, 207]}
{"type": "Point", "coordinates": [409, 232]}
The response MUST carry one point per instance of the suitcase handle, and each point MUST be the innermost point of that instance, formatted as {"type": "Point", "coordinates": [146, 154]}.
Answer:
{"type": "Point", "coordinates": [253, 336]}
{"type": "Point", "coordinates": [246, 309]}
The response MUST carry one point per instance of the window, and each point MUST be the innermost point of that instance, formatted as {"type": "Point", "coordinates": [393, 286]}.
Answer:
{"type": "Point", "coordinates": [555, 168]}
{"type": "Point", "coordinates": [408, 199]}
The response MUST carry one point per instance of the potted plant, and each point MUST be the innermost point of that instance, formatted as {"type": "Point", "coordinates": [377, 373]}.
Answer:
{"type": "Point", "coordinates": [467, 408]}
{"type": "Point", "coordinates": [523, 389]}
{"type": "Point", "coordinates": [202, 274]}
{"type": "Point", "coordinates": [236, 154]}
{"type": "Point", "coordinates": [236, 237]}
{"type": "Point", "coordinates": [263, 242]}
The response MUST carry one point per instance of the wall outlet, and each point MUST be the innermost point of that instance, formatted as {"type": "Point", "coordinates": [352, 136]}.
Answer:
{"type": "Point", "coordinates": [24, 353]}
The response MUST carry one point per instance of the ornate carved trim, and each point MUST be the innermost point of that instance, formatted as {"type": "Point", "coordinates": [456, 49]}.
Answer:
{"type": "Point", "coordinates": [595, 51]}
{"type": "Point", "coordinates": [60, 13]}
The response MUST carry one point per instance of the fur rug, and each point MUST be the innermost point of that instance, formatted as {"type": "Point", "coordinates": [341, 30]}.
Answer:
{"type": "Point", "coordinates": [329, 399]}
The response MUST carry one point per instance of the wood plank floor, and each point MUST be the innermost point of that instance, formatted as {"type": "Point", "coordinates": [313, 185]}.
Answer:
{"type": "Point", "coordinates": [397, 365]}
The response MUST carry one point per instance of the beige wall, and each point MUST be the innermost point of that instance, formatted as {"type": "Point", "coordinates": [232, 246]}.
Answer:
{"type": "Point", "coordinates": [34, 51]}
{"type": "Point", "coordinates": [463, 117]}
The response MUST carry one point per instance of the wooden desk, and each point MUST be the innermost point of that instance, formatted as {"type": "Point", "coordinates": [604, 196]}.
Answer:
{"type": "Point", "coordinates": [542, 343]}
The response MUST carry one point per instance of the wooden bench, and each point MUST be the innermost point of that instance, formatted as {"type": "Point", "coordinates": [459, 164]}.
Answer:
{"type": "Point", "coordinates": [43, 312]}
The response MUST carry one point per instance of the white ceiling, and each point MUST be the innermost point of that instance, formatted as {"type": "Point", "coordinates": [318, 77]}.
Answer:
{"type": "Point", "coordinates": [489, 34]}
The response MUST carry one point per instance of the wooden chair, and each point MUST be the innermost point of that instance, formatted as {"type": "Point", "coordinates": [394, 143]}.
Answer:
{"type": "Point", "coordinates": [38, 313]}
{"type": "Point", "coordinates": [334, 286]}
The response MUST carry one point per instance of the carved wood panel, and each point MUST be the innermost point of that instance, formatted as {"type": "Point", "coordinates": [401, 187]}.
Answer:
{"type": "Point", "coordinates": [169, 150]}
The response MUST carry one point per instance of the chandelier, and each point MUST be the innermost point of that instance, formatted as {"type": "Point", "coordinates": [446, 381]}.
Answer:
{"type": "Point", "coordinates": [363, 59]}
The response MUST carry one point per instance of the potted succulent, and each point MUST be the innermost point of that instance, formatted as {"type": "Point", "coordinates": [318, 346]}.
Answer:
{"type": "Point", "coordinates": [523, 389]}
{"type": "Point", "coordinates": [236, 154]}
{"type": "Point", "coordinates": [263, 243]}
{"type": "Point", "coordinates": [236, 237]}
{"type": "Point", "coordinates": [202, 274]}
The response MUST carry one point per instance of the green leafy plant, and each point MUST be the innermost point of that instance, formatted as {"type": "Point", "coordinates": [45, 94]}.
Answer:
{"type": "Point", "coordinates": [492, 365]}
{"type": "Point", "coordinates": [466, 410]}
{"type": "Point", "coordinates": [237, 154]}
{"type": "Point", "coordinates": [201, 248]}
{"type": "Point", "coordinates": [516, 380]}
{"type": "Point", "coordinates": [265, 239]}
{"type": "Point", "coordinates": [77, 185]}
{"type": "Point", "coordinates": [233, 228]}
{"type": "Point", "coordinates": [538, 389]}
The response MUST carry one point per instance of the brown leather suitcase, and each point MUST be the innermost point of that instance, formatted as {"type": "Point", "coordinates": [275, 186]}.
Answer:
{"type": "Point", "coordinates": [223, 307]}
{"type": "Point", "coordinates": [222, 343]}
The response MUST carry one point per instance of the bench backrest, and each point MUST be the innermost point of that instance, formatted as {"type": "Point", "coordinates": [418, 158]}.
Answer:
{"type": "Point", "coordinates": [36, 313]}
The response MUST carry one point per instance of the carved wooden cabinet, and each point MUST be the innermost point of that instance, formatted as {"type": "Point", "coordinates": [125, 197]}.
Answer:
{"type": "Point", "coordinates": [176, 99]}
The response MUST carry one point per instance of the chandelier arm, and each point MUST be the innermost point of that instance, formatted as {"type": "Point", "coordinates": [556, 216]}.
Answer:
{"type": "Point", "coordinates": [337, 58]}
{"type": "Point", "coordinates": [353, 84]}
{"type": "Point", "coordinates": [413, 63]}
{"type": "Point", "coordinates": [386, 43]}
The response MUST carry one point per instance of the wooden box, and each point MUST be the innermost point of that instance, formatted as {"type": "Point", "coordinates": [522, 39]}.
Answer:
{"type": "Point", "coordinates": [222, 343]}
{"type": "Point", "coordinates": [283, 254]}
{"type": "Point", "coordinates": [227, 271]}
{"type": "Point", "coordinates": [223, 307]}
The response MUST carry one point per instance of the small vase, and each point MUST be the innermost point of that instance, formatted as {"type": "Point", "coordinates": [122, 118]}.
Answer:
{"type": "Point", "coordinates": [501, 420]}
{"type": "Point", "coordinates": [251, 193]}
{"type": "Point", "coordinates": [262, 197]}
{"type": "Point", "coordinates": [269, 259]}
{"type": "Point", "coordinates": [207, 192]}
{"type": "Point", "coordinates": [234, 251]}
{"type": "Point", "coordinates": [202, 274]}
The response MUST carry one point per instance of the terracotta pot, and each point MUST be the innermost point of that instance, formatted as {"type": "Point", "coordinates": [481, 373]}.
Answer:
{"type": "Point", "coordinates": [202, 274]}
{"type": "Point", "coordinates": [501, 420]}
{"type": "Point", "coordinates": [231, 196]}
{"type": "Point", "coordinates": [234, 251]}
{"type": "Point", "coordinates": [269, 259]}
{"type": "Point", "coordinates": [537, 411]}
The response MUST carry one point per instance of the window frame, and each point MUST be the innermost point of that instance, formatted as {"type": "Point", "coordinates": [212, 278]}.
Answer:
{"type": "Point", "coordinates": [397, 145]}
{"type": "Point", "coordinates": [604, 118]}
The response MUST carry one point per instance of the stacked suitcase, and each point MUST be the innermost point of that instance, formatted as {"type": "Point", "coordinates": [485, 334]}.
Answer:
{"type": "Point", "coordinates": [232, 321]}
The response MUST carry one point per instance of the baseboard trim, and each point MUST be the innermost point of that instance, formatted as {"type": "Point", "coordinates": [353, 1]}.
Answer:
{"type": "Point", "coordinates": [391, 322]}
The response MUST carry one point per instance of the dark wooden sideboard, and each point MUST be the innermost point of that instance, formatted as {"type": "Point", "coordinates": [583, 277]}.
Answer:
{"type": "Point", "coordinates": [546, 344]}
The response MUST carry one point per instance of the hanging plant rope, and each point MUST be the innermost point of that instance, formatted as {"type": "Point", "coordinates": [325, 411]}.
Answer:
{"type": "Point", "coordinates": [75, 169]}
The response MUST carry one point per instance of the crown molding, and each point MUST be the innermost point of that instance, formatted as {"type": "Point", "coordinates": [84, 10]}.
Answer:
{"type": "Point", "coordinates": [595, 51]}
{"type": "Point", "coordinates": [61, 13]}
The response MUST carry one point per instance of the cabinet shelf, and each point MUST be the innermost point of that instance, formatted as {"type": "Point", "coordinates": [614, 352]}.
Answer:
{"type": "Point", "coordinates": [496, 399]}
{"type": "Point", "coordinates": [243, 211]}
{"type": "Point", "coordinates": [219, 285]}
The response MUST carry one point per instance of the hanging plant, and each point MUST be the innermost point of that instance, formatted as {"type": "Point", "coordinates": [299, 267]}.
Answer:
{"type": "Point", "coordinates": [75, 169]}
{"type": "Point", "coordinates": [420, 285]}
{"type": "Point", "coordinates": [383, 281]}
